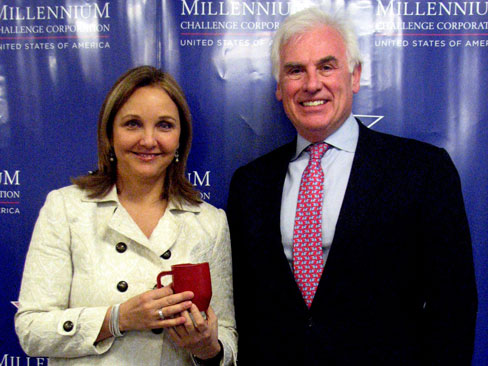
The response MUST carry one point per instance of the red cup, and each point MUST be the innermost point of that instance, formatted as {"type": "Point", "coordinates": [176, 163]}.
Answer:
{"type": "Point", "coordinates": [194, 278]}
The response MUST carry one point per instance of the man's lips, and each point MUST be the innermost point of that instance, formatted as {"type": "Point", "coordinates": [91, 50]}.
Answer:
{"type": "Point", "coordinates": [313, 103]}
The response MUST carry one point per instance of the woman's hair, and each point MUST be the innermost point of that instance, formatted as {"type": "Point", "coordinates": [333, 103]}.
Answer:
{"type": "Point", "coordinates": [176, 186]}
{"type": "Point", "coordinates": [307, 19]}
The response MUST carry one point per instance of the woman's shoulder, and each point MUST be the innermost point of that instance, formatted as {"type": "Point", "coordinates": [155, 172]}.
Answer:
{"type": "Point", "coordinates": [71, 192]}
{"type": "Point", "coordinates": [210, 210]}
{"type": "Point", "coordinates": [74, 196]}
{"type": "Point", "coordinates": [204, 212]}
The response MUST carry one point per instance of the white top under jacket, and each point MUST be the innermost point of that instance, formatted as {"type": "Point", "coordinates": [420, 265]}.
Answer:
{"type": "Point", "coordinates": [72, 271]}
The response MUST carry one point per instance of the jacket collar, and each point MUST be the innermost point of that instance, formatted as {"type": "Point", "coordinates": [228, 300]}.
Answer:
{"type": "Point", "coordinates": [173, 205]}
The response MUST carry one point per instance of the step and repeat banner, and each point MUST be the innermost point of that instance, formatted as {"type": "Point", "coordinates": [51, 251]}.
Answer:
{"type": "Point", "coordinates": [424, 77]}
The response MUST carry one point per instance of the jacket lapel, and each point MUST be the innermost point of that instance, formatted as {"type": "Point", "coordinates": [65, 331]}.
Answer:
{"type": "Point", "coordinates": [277, 179]}
{"type": "Point", "coordinates": [357, 208]}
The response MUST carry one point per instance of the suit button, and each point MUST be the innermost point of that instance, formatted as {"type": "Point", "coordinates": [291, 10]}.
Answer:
{"type": "Point", "coordinates": [68, 326]}
{"type": "Point", "coordinates": [166, 254]}
{"type": "Point", "coordinates": [157, 331]}
{"type": "Point", "coordinates": [121, 247]}
{"type": "Point", "coordinates": [122, 286]}
{"type": "Point", "coordinates": [310, 322]}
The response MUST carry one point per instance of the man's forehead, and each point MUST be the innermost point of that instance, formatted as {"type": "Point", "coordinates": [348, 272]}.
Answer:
{"type": "Point", "coordinates": [321, 31]}
{"type": "Point", "coordinates": [330, 59]}
{"type": "Point", "coordinates": [319, 43]}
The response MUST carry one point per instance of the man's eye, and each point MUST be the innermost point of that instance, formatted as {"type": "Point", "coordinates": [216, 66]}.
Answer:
{"type": "Point", "coordinates": [294, 73]}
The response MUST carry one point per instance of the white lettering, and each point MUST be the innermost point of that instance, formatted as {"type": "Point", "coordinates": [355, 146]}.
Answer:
{"type": "Point", "coordinates": [9, 194]}
{"type": "Point", "coordinates": [432, 8]}
{"type": "Point", "coordinates": [8, 180]}
{"type": "Point", "coordinates": [205, 181]}
{"type": "Point", "coordinates": [54, 12]}
{"type": "Point", "coordinates": [19, 361]}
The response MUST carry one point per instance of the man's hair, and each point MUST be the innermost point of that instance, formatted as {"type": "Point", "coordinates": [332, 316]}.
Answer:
{"type": "Point", "coordinates": [176, 186]}
{"type": "Point", "coordinates": [308, 19]}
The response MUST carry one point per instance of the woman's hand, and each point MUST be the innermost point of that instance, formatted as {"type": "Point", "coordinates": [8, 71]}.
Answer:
{"type": "Point", "coordinates": [199, 336]}
{"type": "Point", "coordinates": [142, 312]}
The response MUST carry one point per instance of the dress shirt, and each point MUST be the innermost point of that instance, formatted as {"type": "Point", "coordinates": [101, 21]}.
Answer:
{"type": "Point", "coordinates": [336, 164]}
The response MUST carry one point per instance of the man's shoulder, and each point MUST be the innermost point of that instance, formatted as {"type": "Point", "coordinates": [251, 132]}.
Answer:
{"type": "Point", "coordinates": [396, 144]}
{"type": "Point", "coordinates": [266, 169]}
{"type": "Point", "coordinates": [280, 155]}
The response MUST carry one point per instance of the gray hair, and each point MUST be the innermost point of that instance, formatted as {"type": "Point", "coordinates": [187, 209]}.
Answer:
{"type": "Point", "coordinates": [307, 19]}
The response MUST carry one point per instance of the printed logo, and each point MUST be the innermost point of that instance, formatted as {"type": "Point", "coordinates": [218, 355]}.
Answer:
{"type": "Point", "coordinates": [54, 27]}
{"type": "Point", "coordinates": [200, 181]}
{"type": "Point", "coordinates": [9, 360]}
{"type": "Point", "coordinates": [244, 24]}
{"type": "Point", "coordinates": [369, 120]}
{"type": "Point", "coordinates": [430, 24]}
{"type": "Point", "coordinates": [9, 194]}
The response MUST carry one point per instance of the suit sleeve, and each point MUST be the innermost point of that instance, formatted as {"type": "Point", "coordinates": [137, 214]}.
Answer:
{"type": "Point", "coordinates": [240, 261]}
{"type": "Point", "coordinates": [449, 311]}
{"type": "Point", "coordinates": [222, 301]}
{"type": "Point", "coordinates": [236, 236]}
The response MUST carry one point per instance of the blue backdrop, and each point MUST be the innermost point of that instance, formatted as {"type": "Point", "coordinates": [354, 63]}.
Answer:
{"type": "Point", "coordinates": [423, 77]}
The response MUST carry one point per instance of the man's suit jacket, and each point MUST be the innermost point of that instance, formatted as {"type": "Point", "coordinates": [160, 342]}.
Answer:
{"type": "Point", "coordinates": [398, 287]}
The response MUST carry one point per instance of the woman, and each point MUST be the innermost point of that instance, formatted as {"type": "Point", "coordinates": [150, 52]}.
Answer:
{"type": "Point", "coordinates": [87, 294]}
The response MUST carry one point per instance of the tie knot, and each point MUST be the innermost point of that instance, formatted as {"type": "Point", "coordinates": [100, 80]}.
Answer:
{"type": "Point", "coordinates": [317, 151]}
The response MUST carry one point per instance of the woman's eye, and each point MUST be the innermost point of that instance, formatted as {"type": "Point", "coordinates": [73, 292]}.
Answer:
{"type": "Point", "coordinates": [165, 125]}
{"type": "Point", "coordinates": [132, 123]}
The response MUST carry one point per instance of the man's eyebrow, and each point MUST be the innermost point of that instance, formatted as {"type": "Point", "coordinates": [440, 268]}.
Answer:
{"type": "Point", "coordinates": [324, 60]}
{"type": "Point", "coordinates": [327, 60]}
{"type": "Point", "coordinates": [291, 65]}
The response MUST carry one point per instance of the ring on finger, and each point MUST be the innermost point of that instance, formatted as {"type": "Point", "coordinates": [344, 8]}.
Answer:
{"type": "Point", "coordinates": [161, 315]}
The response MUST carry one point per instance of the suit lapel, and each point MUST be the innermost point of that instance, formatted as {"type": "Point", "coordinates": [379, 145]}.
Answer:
{"type": "Point", "coordinates": [357, 207]}
{"type": "Point", "coordinates": [273, 251]}
{"type": "Point", "coordinates": [273, 194]}
{"type": "Point", "coordinates": [287, 278]}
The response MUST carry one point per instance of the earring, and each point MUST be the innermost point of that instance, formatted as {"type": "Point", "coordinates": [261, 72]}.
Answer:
{"type": "Point", "coordinates": [111, 156]}
{"type": "Point", "coordinates": [177, 156]}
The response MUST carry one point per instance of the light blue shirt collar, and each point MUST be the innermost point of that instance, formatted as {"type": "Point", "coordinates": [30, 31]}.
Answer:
{"type": "Point", "coordinates": [345, 138]}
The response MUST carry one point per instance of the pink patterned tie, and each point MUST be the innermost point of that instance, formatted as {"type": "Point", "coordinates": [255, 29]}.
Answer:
{"type": "Point", "coordinates": [307, 233]}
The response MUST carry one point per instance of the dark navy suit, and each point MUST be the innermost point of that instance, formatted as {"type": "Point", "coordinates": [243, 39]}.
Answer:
{"type": "Point", "coordinates": [398, 287]}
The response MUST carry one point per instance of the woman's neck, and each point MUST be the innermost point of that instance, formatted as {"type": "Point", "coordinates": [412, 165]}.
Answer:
{"type": "Point", "coordinates": [143, 202]}
{"type": "Point", "coordinates": [138, 191]}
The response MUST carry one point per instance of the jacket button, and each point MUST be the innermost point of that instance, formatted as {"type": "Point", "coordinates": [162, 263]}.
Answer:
{"type": "Point", "coordinates": [122, 286]}
{"type": "Point", "coordinates": [121, 247]}
{"type": "Point", "coordinates": [157, 331]}
{"type": "Point", "coordinates": [68, 326]}
{"type": "Point", "coordinates": [310, 322]}
{"type": "Point", "coordinates": [166, 254]}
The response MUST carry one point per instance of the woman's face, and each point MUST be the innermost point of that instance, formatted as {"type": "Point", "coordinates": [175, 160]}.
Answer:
{"type": "Point", "coordinates": [146, 134]}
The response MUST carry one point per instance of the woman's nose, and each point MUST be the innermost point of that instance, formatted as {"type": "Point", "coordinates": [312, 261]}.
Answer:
{"type": "Point", "coordinates": [148, 140]}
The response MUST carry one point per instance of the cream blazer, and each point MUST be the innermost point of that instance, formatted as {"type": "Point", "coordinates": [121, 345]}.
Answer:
{"type": "Point", "coordinates": [74, 272]}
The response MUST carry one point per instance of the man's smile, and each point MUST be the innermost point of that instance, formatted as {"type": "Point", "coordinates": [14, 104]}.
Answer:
{"type": "Point", "coordinates": [313, 103]}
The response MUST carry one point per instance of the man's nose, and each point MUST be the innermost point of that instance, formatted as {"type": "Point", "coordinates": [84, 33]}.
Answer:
{"type": "Point", "coordinates": [312, 81]}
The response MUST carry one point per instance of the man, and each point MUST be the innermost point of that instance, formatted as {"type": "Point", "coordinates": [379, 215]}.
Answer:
{"type": "Point", "coordinates": [396, 280]}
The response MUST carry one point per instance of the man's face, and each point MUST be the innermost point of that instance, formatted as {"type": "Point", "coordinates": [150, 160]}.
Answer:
{"type": "Point", "coordinates": [315, 84]}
